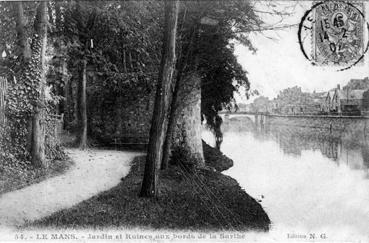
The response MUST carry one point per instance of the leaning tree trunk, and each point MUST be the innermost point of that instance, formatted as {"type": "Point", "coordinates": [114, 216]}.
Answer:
{"type": "Point", "coordinates": [82, 137]}
{"type": "Point", "coordinates": [173, 113]}
{"type": "Point", "coordinates": [174, 106]}
{"type": "Point", "coordinates": [39, 45]}
{"type": "Point", "coordinates": [184, 127]}
{"type": "Point", "coordinates": [162, 98]}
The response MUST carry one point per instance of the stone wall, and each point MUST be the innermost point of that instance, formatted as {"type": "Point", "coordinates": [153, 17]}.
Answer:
{"type": "Point", "coordinates": [123, 118]}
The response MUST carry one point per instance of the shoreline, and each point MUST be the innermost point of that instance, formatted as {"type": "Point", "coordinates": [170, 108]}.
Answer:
{"type": "Point", "coordinates": [203, 201]}
{"type": "Point", "coordinates": [294, 115]}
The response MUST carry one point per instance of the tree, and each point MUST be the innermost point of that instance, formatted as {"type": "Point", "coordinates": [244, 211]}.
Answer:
{"type": "Point", "coordinates": [183, 64]}
{"type": "Point", "coordinates": [26, 104]}
{"type": "Point", "coordinates": [206, 66]}
{"type": "Point", "coordinates": [291, 99]}
{"type": "Point", "coordinates": [39, 44]}
{"type": "Point", "coordinates": [261, 104]}
{"type": "Point", "coordinates": [23, 45]}
{"type": "Point", "coordinates": [125, 55]}
{"type": "Point", "coordinates": [22, 50]}
{"type": "Point", "coordinates": [82, 113]}
{"type": "Point", "coordinates": [160, 115]}
{"type": "Point", "coordinates": [73, 25]}
{"type": "Point", "coordinates": [357, 84]}
{"type": "Point", "coordinates": [82, 84]}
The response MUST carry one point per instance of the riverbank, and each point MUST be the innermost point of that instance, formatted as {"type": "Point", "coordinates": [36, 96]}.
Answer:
{"type": "Point", "coordinates": [350, 130]}
{"type": "Point", "coordinates": [206, 200]}
{"type": "Point", "coordinates": [329, 122]}
{"type": "Point", "coordinates": [215, 158]}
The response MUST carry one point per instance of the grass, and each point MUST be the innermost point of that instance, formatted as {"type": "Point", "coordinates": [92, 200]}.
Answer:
{"type": "Point", "coordinates": [205, 200]}
{"type": "Point", "coordinates": [22, 178]}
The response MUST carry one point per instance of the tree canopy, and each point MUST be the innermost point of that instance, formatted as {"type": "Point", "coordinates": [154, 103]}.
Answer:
{"type": "Point", "coordinates": [121, 43]}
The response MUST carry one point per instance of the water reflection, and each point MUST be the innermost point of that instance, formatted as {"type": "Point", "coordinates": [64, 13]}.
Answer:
{"type": "Point", "coordinates": [293, 140]}
{"type": "Point", "coordinates": [307, 179]}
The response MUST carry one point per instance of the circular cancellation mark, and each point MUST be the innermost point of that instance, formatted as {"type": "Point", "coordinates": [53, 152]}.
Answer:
{"type": "Point", "coordinates": [332, 33]}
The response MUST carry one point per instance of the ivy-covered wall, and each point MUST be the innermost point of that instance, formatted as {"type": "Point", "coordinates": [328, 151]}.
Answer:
{"type": "Point", "coordinates": [124, 117]}
{"type": "Point", "coordinates": [120, 117]}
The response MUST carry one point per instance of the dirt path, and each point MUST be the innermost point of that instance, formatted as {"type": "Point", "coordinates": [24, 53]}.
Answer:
{"type": "Point", "coordinates": [94, 171]}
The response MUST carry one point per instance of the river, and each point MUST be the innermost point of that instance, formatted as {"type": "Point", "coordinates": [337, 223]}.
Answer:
{"type": "Point", "coordinates": [308, 181]}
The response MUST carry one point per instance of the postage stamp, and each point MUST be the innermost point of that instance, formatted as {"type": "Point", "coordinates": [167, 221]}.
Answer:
{"type": "Point", "coordinates": [337, 33]}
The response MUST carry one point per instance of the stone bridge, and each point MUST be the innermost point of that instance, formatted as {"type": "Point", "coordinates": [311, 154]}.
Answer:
{"type": "Point", "coordinates": [255, 117]}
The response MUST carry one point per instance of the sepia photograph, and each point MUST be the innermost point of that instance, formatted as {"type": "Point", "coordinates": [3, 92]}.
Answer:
{"type": "Point", "coordinates": [184, 121]}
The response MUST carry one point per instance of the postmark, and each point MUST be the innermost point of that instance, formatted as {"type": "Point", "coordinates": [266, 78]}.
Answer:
{"type": "Point", "coordinates": [334, 33]}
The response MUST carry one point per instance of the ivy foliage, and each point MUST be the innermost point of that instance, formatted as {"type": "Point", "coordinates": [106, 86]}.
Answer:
{"type": "Point", "coordinates": [24, 94]}
{"type": "Point", "coordinates": [208, 32]}
{"type": "Point", "coordinates": [120, 40]}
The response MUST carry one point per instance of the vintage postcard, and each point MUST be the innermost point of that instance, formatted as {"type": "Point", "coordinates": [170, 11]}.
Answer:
{"type": "Point", "coordinates": [184, 121]}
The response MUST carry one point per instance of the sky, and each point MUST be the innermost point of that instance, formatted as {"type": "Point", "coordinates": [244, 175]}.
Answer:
{"type": "Point", "coordinates": [279, 62]}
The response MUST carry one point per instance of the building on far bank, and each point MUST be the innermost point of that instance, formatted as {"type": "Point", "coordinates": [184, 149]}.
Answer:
{"type": "Point", "coordinates": [352, 99]}
{"type": "Point", "coordinates": [298, 102]}
{"type": "Point", "coordinates": [318, 102]}
{"type": "Point", "coordinates": [347, 101]}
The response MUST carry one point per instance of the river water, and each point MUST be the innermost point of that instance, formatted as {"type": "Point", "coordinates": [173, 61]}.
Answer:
{"type": "Point", "coordinates": [308, 181]}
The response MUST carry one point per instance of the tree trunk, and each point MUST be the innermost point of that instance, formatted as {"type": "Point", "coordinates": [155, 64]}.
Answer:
{"type": "Point", "coordinates": [50, 14]}
{"type": "Point", "coordinates": [24, 52]}
{"type": "Point", "coordinates": [38, 133]}
{"type": "Point", "coordinates": [175, 103]}
{"type": "Point", "coordinates": [173, 116]}
{"type": "Point", "coordinates": [187, 131]}
{"type": "Point", "coordinates": [160, 115]}
{"type": "Point", "coordinates": [119, 103]}
{"type": "Point", "coordinates": [3, 90]}
{"type": "Point", "coordinates": [38, 139]}
{"type": "Point", "coordinates": [23, 46]}
{"type": "Point", "coordinates": [58, 17]}
{"type": "Point", "coordinates": [124, 61]}
{"type": "Point", "coordinates": [76, 91]}
{"type": "Point", "coordinates": [83, 108]}
{"type": "Point", "coordinates": [184, 126]}
{"type": "Point", "coordinates": [188, 128]}
{"type": "Point", "coordinates": [67, 96]}
{"type": "Point", "coordinates": [170, 129]}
